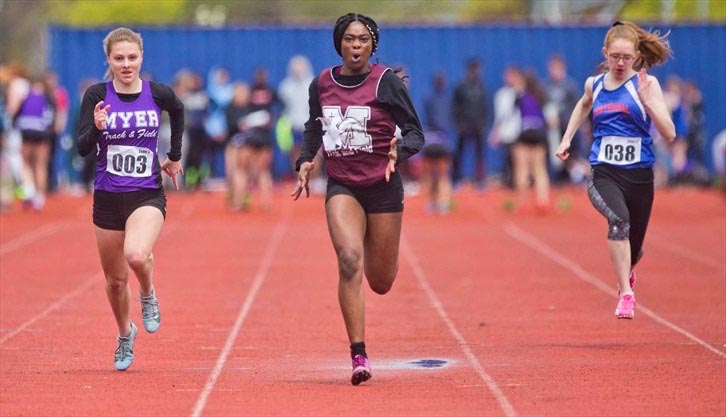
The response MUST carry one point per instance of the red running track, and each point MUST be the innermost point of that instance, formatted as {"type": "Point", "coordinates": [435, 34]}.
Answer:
{"type": "Point", "coordinates": [492, 314]}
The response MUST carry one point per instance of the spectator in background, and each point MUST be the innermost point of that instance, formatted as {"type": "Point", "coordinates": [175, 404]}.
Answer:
{"type": "Point", "coordinates": [436, 175]}
{"type": "Point", "coordinates": [293, 93]}
{"type": "Point", "coordinates": [695, 170]}
{"type": "Point", "coordinates": [62, 104]}
{"type": "Point", "coordinates": [219, 89]}
{"type": "Point", "coordinates": [16, 86]}
{"type": "Point", "coordinates": [470, 114]}
{"type": "Point", "coordinates": [529, 151]}
{"type": "Point", "coordinates": [237, 155]}
{"type": "Point", "coordinates": [562, 95]}
{"type": "Point", "coordinates": [196, 104]}
{"type": "Point", "coordinates": [260, 120]}
{"type": "Point", "coordinates": [678, 150]}
{"type": "Point", "coordinates": [36, 122]}
{"type": "Point", "coordinates": [507, 120]}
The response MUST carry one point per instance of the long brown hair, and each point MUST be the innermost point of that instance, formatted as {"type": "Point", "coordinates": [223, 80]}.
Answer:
{"type": "Point", "coordinates": [120, 35]}
{"type": "Point", "coordinates": [654, 48]}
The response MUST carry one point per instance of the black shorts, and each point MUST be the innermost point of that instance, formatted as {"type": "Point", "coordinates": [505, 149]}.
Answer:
{"type": "Point", "coordinates": [383, 197]}
{"type": "Point", "coordinates": [36, 136]}
{"type": "Point", "coordinates": [436, 151]}
{"type": "Point", "coordinates": [110, 210]}
{"type": "Point", "coordinates": [533, 137]}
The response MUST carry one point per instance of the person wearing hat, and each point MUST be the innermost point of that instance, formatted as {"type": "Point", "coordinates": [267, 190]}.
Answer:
{"type": "Point", "coordinates": [354, 111]}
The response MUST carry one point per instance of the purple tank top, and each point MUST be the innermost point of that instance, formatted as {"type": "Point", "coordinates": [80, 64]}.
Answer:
{"type": "Point", "coordinates": [127, 148]}
{"type": "Point", "coordinates": [531, 112]}
{"type": "Point", "coordinates": [36, 113]}
{"type": "Point", "coordinates": [357, 129]}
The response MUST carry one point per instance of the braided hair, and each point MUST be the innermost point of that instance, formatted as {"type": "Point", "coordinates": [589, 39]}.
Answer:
{"type": "Point", "coordinates": [342, 24]}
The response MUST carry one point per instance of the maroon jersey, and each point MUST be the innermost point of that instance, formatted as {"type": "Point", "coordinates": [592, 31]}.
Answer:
{"type": "Point", "coordinates": [357, 129]}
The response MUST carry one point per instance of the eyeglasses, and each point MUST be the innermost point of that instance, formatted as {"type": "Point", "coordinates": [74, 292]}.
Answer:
{"type": "Point", "coordinates": [617, 57]}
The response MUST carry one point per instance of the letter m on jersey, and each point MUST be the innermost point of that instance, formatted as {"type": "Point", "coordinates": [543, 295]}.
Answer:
{"type": "Point", "coordinates": [347, 131]}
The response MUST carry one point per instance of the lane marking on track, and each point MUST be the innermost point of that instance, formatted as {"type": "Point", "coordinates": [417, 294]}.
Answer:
{"type": "Point", "coordinates": [463, 344]}
{"type": "Point", "coordinates": [30, 237]}
{"type": "Point", "coordinates": [241, 316]}
{"type": "Point", "coordinates": [77, 291]}
{"type": "Point", "coordinates": [188, 209]}
{"type": "Point", "coordinates": [558, 258]}
{"type": "Point", "coordinates": [674, 248]}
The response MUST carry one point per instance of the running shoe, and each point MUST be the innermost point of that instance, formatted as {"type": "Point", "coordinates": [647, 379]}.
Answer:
{"type": "Point", "coordinates": [125, 351]}
{"type": "Point", "coordinates": [150, 314]}
{"type": "Point", "coordinates": [626, 307]}
{"type": "Point", "coordinates": [361, 370]}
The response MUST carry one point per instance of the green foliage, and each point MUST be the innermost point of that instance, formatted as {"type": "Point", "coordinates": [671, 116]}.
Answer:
{"type": "Point", "coordinates": [117, 12]}
{"type": "Point", "coordinates": [684, 10]}
{"type": "Point", "coordinates": [493, 10]}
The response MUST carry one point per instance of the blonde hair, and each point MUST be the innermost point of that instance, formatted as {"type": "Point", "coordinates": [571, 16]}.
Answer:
{"type": "Point", "coordinates": [654, 48]}
{"type": "Point", "coordinates": [120, 35]}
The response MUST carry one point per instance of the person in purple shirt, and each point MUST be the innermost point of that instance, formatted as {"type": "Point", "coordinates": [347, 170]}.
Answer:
{"type": "Point", "coordinates": [120, 120]}
{"type": "Point", "coordinates": [354, 110]}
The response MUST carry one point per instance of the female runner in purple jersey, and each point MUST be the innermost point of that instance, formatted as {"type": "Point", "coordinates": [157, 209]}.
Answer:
{"type": "Point", "coordinates": [120, 119]}
{"type": "Point", "coordinates": [624, 101]}
{"type": "Point", "coordinates": [354, 111]}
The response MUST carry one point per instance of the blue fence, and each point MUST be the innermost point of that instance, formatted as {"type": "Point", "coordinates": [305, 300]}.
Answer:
{"type": "Point", "coordinates": [699, 53]}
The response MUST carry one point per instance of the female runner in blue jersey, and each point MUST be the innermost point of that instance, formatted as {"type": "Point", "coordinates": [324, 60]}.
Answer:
{"type": "Point", "coordinates": [120, 121]}
{"type": "Point", "coordinates": [354, 111]}
{"type": "Point", "coordinates": [625, 101]}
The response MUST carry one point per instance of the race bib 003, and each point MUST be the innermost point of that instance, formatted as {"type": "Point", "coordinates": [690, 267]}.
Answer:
{"type": "Point", "coordinates": [618, 150]}
{"type": "Point", "coordinates": [129, 161]}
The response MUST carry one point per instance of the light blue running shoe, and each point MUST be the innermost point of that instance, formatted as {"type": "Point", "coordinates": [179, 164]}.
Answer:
{"type": "Point", "coordinates": [125, 351]}
{"type": "Point", "coordinates": [150, 314]}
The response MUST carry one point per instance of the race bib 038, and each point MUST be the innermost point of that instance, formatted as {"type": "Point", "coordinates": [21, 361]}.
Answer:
{"type": "Point", "coordinates": [618, 150]}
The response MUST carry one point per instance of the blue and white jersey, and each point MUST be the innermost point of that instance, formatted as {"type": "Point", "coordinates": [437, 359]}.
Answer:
{"type": "Point", "coordinates": [620, 126]}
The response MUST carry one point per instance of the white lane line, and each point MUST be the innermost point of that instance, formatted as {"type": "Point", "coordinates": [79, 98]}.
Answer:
{"type": "Point", "coordinates": [682, 251]}
{"type": "Point", "coordinates": [241, 316]}
{"type": "Point", "coordinates": [77, 291]}
{"type": "Point", "coordinates": [81, 288]}
{"type": "Point", "coordinates": [31, 237]}
{"type": "Point", "coordinates": [556, 257]}
{"type": "Point", "coordinates": [463, 344]}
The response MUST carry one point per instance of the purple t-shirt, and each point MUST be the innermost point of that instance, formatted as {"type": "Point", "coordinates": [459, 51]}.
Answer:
{"type": "Point", "coordinates": [127, 147]}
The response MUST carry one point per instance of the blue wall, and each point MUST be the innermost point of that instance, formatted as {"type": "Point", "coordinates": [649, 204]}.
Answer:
{"type": "Point", "coordinates": [699, 53]}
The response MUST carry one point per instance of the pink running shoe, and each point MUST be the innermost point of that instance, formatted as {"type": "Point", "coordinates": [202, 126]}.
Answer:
{"type": "Point", "coordinates": [626, 307]}
{"type": "Point", "coordinates": [361, 370]}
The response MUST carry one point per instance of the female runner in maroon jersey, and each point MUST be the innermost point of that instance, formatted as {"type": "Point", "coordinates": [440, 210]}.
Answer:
{"type": "Point", "coordinates": [354, 111]}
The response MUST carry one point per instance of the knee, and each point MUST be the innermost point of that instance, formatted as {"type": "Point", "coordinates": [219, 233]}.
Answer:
{"type": "Point", "coordinates": [618, 229]}
{"type": "Point", "coordinates": [382, 282]}
{"type": "Point", "coordinates": [381, 287]}
{"type": "Point", "coordinates": [137, 259]}
{"type": "Point", "coordinates": [117, 283]}
{"type": "Point", "coordinates": [350, 263]}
